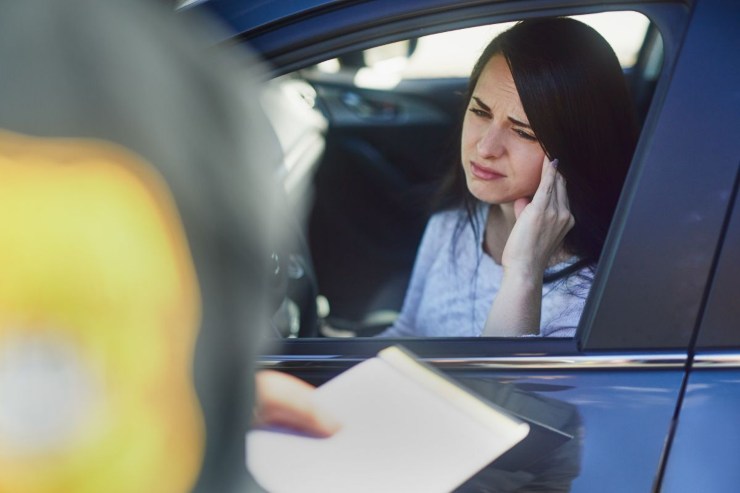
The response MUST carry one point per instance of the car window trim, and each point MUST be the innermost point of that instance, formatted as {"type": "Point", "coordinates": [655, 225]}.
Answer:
{"type": "Point", "coordinates": [623, 361]}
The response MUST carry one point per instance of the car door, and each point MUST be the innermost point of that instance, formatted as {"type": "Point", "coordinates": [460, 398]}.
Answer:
{"type": "Point", "coordinates": [707, 440]}
{"type": "Point", "coordinates": [617, 386]}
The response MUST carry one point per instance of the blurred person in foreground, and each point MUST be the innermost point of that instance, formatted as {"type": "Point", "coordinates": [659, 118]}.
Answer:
{"type": "Point", "coordinates": [134, 204]}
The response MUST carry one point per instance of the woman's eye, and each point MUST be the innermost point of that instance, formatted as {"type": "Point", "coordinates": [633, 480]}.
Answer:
{"type": "Point", "coordinates": [479, 112]}
{"type": "Point", "coordinates": [525, 135]}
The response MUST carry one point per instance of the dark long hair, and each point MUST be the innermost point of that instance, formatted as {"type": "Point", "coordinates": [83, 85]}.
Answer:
{"type": "Point", "coordinates": [574, 94]}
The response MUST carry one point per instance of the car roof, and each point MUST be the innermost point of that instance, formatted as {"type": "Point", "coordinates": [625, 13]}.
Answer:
{"type": "Point", "coordinates": [245, 16]}
{"type": "Point", "coordinates": [251, 16]}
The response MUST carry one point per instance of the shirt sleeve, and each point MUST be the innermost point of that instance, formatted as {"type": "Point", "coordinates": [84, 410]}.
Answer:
{"type": "Point", "coordinates": [431, 242]}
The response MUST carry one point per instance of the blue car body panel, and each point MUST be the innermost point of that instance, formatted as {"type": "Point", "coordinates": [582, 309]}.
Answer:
{"type": "Point", "coordinates": [706, 447]}
{"type": "Point", "coordinates": [625, 417]}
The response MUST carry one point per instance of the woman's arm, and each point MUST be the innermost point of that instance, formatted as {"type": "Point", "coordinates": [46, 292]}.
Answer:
{"type": "Point", "coordinates": [537, 236]}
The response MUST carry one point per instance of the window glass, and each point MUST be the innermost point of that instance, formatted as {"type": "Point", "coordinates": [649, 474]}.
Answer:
{"type": "Point", "coordinates": [453, 53]}
{"type": "Point", "coordinates": [387, 147]}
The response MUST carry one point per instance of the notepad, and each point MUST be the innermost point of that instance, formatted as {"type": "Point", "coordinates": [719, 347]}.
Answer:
{"type": "Point", "coordinates": [405, 428]}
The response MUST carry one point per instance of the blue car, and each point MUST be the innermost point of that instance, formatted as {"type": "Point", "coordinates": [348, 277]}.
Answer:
{"type": "Point", "coordinates": [648, 391]}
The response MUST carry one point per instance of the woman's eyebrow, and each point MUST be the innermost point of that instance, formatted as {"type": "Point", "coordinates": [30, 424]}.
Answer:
{"type": "Point", "coordinates": [513, 120]}
{"type": "Point", "coordinates": [482, 104]}
{"type": "Point", "coordinates": [518, 123]}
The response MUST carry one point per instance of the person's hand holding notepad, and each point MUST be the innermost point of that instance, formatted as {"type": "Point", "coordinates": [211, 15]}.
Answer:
{"type": "Point", "coordinates": [404, 427]}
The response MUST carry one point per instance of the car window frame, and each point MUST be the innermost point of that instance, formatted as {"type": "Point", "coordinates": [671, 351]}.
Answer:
{"type": "Point", "coordinates": [601, 329]}
{"type": "Point", "coordinates": [719, 327]}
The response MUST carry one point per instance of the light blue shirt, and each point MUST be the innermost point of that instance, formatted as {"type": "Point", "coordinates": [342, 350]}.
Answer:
{"type": "Point", "coordinates": [454, 283]}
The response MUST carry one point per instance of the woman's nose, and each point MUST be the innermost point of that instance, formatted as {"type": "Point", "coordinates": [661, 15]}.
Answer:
{"type": "Point", "coordinates": [491, 142]}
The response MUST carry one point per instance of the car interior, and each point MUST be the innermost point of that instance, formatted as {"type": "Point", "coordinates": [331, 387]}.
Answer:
{"type": "Point", "coordinates": [363, 157]}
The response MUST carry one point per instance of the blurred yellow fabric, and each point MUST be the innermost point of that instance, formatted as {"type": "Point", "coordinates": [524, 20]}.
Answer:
{"type": "Point", "coordinates": [99, 312]}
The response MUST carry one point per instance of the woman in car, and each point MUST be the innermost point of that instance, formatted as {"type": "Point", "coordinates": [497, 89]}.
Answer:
{"type": "Point", "coordinates": [547, 138]}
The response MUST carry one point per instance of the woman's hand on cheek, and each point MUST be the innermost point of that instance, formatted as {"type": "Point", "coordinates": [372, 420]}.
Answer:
{"type": "Point", "coordinates": [520, 204]}
{"type": "Point", "coordinates": [541, 225]}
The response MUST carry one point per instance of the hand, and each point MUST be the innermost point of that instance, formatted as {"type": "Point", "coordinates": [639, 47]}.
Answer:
{"type": "Point", "coordinates": [541, 225]}
{"type": "Point", "coordinates": [284, 400]}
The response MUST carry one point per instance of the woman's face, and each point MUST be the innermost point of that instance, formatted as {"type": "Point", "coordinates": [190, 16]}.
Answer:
{"type": "Point", "coordinates": [501, 156]}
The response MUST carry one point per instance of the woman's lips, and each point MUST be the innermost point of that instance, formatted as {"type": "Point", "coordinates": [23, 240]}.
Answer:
{"type": "Point", "coordinates": [484, 173]}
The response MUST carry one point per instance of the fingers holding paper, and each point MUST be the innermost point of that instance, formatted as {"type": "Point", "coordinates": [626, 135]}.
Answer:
{"type": "Point", "coordinates": [284, 400]}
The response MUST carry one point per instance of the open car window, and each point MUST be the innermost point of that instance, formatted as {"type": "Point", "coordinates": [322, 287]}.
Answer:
{"type": "Point", "coordinates": [367, 136]}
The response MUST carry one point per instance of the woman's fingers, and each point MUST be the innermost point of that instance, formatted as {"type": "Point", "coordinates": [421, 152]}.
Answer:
{"type": "Point", "coordinates": [519, 205]}
{"type": "Point", "coordinates": [556, 179]}
{"type": "Point", "coordinates": [564, 213]}
{"type": "Point", "coordinates": [561, 190]}
{"type": "Point", "coordinates": [544, 194]}
{"type": "Point", "coordinates": [551, 213]}
{"type": "Point", "coordinates": [541, 225]}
